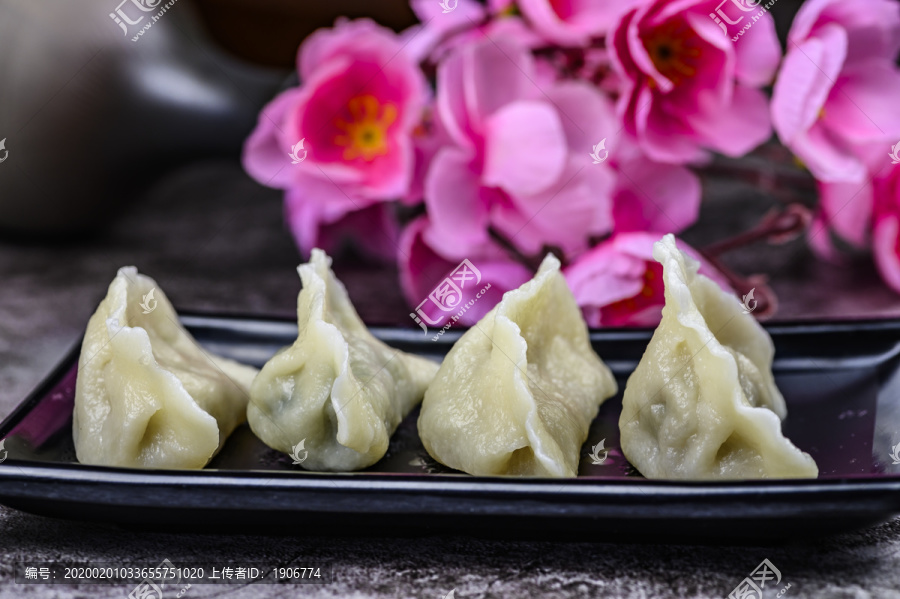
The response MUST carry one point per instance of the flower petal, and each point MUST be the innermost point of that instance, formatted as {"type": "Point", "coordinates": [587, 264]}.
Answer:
{"type": "Point", "coordinates": [737, 128]}
{"type": "Point", "coordinates": [499, 71]}
{"type": "Point", "coordinates": [587, 116]}
{"type": "Point", "coordinates": [847, 208]}
{"type": "Point", "coordinates": [827, 159]}
{"type": "Point", "coordinates": [655, 197]}
{"type": "Point", "coordinates": [422, 268]}
{"type": "Point", "coordinates": [526, 148]}
{"type": "Point", "coordinates": [453, 198]}
{"type": "Point", "coordinates": [577, 206]}
{"type": "Point", "coordinates": [885, 244]}
{"type": "Point", "coordinates": [806, 78]}
{"type": "Point", "coordinates": [758, 53]}
{"type": "Point", "coordinates": [266, 151]}
{"type": "Point", "coordinates": [863, 105]}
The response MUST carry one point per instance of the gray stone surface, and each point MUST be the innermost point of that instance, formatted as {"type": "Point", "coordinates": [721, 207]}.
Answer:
{"type": "Point", "coordinates": [862, 565]}
{"type": "Point", "coordinates": [215, 241]}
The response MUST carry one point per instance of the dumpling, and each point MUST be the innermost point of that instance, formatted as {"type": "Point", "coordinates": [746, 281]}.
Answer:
{"type": "Point", "coordinates": [702, 403]}
{"type": "Point", "coordinates": [337, 389]}
{"type": "Point", "coordinates": [518, 391]}
{"type": "Point", "coordinates": [146, 394]}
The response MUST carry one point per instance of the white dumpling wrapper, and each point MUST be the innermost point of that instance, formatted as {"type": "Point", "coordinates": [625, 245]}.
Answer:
{"type": "Point", "coordinates": [702, 403]}
{"type": "Point", "coordinates": [337, 388]}
{"type": "Point", "coordinates": [518, 391]}
{"type": "Point", "coordinates": [146, 394]}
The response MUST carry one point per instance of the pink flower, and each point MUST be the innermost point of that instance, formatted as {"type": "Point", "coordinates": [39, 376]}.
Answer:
{"type": "Point", "coordinates": [649, 196]}
{"type": "Point", "coordinates": [437, 26]}
{"type": "Point", "coordinates": [422, 268]}
{"type": "Point", "coordinates": [845, 209]}
{"type": "Point", "coordinates": [688, 88]}
{"type": "Point", "coordinates": [440, 32]}
{"type": "Point", "coordinates": [323, 225]}
{"type": "Point", "coordinates": [360, 100]}
{"type": "Point", "coordinates": [618, 283]}
{"type": "Point", "coordinates": [573, 22]}
{"type": "Point", "coordinates": [886, 231]}
{"type": "Point", "coordinates": [518, 161]}
{"type": "Point", "coordinates": [838, 87]}
{"type": "Point", "coordinates": [863, 215]}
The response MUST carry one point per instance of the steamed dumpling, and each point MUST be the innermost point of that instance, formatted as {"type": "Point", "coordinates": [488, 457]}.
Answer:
{"type": "Point", "coordinates": [517, 393]}
{"type": "Point", "coordinates": [702, 403]}
{"type": "Point", "coordinates": [337, 388]}
{"type": "Point", "coordinates": [146, 394]}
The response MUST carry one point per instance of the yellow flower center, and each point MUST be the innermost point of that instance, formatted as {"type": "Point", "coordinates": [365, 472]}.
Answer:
{"type": "Point", "coordinates": [511, 11]}
{"type": "Point", "coordinates": [670, 50]}
{"type": "Point", "coordinates": [366, 134]}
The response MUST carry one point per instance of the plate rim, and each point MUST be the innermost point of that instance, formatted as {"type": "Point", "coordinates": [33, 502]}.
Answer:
{"type": "Point", "coordinates": [399, 481]}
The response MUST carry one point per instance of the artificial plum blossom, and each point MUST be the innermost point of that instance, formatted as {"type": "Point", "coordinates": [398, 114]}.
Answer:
{"type": "Point", "coordinates": [650, 196]}
{"type": "Point", "coordinates": [862, 216]}
{"type": "Point", "coordinates": [468, 22]}
{"type": "Point", "coordinates": [566, 23]}
{"type": "Point", "coordinates": [517, 162]}
{"type": "Point", "coordinates": [836, 94]}
{"type": "Point", "coordinates": [886, 227]}
{"type": "Point", "coordinates": [564, 126]}
{"type": "Point", "coordinates": [844, 210]}
{"type": "Point", "coordinates": [573, 22]}
{"type": "Point", "coordinates": [360, 100]}
{"type": "Point", "coordinates": [687, 87]}
{"type": "Point", "coordinates": [618, 283]}
{"type": "Point", "coordinates": [422, 268]}
{"type": "Point", "coordinates": [437, 26]}
{"type": "Point", "coordinates": [373, 229]}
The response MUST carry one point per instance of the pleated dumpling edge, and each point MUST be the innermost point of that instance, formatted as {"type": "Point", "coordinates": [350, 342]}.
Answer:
{"type": "Point", "coordinates": [517, 392]}
{"type": "Point", "coordinates": [337, 390]}
{"type": "Point", "coordinates": [698, 302]}
{"type": "Point", "coordinates": [702, 402]}
{"type": "Point", "coordinates": [146, 394]}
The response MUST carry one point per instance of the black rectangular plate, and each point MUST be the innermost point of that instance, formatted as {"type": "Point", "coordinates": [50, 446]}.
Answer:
{"type": "Point", "coordinates": [841, 382]}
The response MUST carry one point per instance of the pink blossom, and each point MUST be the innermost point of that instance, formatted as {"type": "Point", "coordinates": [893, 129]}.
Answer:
{"type": "Point", "coordinates": [422, 268]}
{"type": "Point", "coordinates": [886, 231]}
{"type": "Point", "coordinates": [650, 196]}
{"type": "Point", "coordinates": [838, 87]}
{"type": "Point", "coordinates": [689, 88]}
{"type": "Point", "coordinates": [356, 111]}
{"type": "Point", "coordinates": [573, 22]}
{"type": "Point", "coordinates": [845, 210]}
{"type": "Point", "coordinates": [518, 161]}
{"type": "Point", "coordinates": [863, 215]}
{"type": "Point", "coordinates": [327, 225]}
{"type": "Point", "coordinates": [437, 26]}
{"type": "Point", "coordinates": [439, 33]}
{"type": "Point", "coordinates": [618, 283]}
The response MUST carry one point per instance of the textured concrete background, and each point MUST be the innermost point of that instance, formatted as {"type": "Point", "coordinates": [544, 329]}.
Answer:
{"type": "Point", "coordinates": [854, 566]}
{"type": "Point", "coordinates": [214, 240]}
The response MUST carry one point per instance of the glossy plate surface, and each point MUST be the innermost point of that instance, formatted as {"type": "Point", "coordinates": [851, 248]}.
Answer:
{"type": "Point", "coordinates": [841, 382]}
